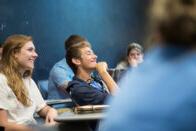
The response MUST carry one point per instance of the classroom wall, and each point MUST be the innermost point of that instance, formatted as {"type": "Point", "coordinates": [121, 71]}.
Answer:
{"type": "Point", "coordinates": [108, 24]}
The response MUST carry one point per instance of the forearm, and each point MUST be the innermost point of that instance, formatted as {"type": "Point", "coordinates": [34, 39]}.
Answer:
{"type": "Point", "coordinates": [110, 83]}
{"type": "Point", "coordinates": [10, 126]}
{"type": "Point", "coordinates": [43, 112]}
{"type": "Point", "coordinates": [15, 127]}
{"type": "Point", "coordinates": [49, 113]}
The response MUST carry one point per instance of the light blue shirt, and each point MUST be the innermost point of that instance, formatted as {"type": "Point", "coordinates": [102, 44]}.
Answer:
{"type": "Point", "coordinates": [158, 96]}
{"type": "Point", "coordinates": [60, 73]}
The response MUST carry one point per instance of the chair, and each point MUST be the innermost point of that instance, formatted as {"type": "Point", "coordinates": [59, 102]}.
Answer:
{"type": "Point", "coordinates": [56, 103]}
{"type": "Point", "coordinates": [43, 87]}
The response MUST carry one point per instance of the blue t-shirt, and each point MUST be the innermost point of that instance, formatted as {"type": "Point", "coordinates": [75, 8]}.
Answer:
{"type": "Point", "coordinates": [60, 73]}
{"type": "Point", "coordinates": [158, 96]}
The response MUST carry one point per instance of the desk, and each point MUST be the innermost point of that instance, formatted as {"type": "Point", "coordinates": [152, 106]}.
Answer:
{"type": "Point", "coordinates": [79, 122]}
{"type": "Point", "coordinates": [71, 117]}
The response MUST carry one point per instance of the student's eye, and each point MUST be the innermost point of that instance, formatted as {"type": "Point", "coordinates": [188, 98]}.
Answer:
{"type": "Point", "coordinates": [30, 49]}
{"type": "Point", "coordinates": [90, 53]}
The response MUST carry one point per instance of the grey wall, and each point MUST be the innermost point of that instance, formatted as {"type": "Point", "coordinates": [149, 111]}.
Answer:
{"type": "Point", "coordinates": [108, 24]}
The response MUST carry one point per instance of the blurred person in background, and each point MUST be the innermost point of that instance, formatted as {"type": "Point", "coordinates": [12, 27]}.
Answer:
{"type": "Point", "coordinates": [132, 60]}
{"type": "Point", "coordinates": [134, 57]}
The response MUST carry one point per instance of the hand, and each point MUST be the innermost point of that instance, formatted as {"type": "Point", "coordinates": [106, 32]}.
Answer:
{"type": "Point", "coordinates": [51, 114]}
{"type": "Point", "coordinates": [110, 83]}
{"type": "Point", "coordinates": [133, 62]}
{"type": "Point", "coordinates": [101, 67]}
{"type": "Point", "coordinates": [140, 59]}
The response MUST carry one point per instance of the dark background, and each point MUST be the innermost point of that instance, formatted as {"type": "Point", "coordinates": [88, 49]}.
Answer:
{"type": "Point", "coordinates": [108, 24]}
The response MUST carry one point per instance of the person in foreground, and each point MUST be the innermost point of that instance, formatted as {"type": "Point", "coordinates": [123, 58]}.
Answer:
{"type": "Point", "coordinates": [85, 89]}
{"type": "Point", "coordinates": [19, 95]}
{"type": "Point", "coordinates": [162, 96]}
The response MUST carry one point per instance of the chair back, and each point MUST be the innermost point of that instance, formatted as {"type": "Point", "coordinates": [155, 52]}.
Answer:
{"type": "Point", "coordinates": [43, 87]}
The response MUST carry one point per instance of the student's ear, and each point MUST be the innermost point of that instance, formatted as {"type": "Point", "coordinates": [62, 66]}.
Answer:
{"type": "Point", "coordinates": [76, 61]}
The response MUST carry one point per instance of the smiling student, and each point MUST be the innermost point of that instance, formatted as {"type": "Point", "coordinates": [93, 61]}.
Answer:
{"type": "Point", "coordinates": [84, 88]}
{"type": "Point", "coordinates": [19, 95]}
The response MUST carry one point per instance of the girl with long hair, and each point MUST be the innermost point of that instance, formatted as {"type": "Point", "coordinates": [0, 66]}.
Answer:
{"type": "Point", "coordinates": [19, 95]}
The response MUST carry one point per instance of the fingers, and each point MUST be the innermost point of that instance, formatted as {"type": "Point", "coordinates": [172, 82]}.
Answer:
{"type": "Point", "coordinates": [49, 121]}
{"type": "Point", "coordinates": [101, 66]}
{"type": "Point", "coordinates": [50, 116]}
{"type": "Point", "coordinates": [133, 62]}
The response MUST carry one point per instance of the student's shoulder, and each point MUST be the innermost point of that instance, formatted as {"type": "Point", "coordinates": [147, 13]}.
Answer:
{"type": "Point", "coordinates": [61, 62]}
{"type": "Point", "coordinates": [76, 82]}
{"type": "Point", "coordinates": [61, 66]}
{"type": "Point", "coordinates": [2, 77]}
{"type": "Point", "coordinates": [3, 82]}
{"type": "Point", "coordinates": [122, 65]}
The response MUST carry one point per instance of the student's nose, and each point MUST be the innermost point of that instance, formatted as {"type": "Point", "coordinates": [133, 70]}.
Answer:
{"type": "Point", "coordinates": [95, 56]}
{"type": "Point", "coordinates": [35, 55]}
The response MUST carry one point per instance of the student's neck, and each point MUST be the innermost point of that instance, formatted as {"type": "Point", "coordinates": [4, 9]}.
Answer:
{"type": "Point", "coordinates": [84, 75]}
{"type": "Point", "coordinates": [21, 71]}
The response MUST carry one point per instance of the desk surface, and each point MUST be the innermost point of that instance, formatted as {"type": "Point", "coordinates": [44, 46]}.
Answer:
{"type": "Point", "coordinates": [70, 116]}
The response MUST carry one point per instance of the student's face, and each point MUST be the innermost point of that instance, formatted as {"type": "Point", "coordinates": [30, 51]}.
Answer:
{"type": "Point", "coordinates": [27, 55]}
{"type": "Point", "coordinates": [135, 54]}
{"type": "Point", "coordinates": [88, 58]}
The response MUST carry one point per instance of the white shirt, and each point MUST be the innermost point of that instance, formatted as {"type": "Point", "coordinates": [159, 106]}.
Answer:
{"type": "Point", "coordinates": [15, 110]}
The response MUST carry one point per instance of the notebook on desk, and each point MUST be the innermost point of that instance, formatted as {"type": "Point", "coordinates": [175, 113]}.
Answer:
{"type": "Point", "coordinates": [90, 109]}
